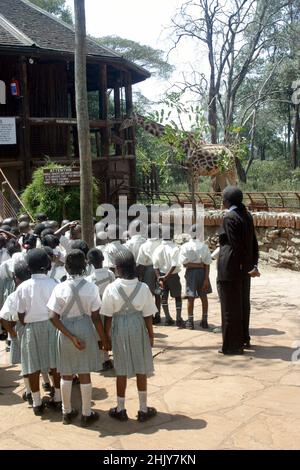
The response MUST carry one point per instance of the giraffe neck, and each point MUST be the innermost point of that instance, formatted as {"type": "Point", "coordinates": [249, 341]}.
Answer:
{"type": "Point", "coordinates": [152, 127]}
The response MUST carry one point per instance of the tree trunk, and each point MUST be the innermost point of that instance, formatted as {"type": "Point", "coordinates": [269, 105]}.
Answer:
{"type": "Point", "coordinates": [86, 173]}
{"type": "Point", "coordinates": [294, 158]}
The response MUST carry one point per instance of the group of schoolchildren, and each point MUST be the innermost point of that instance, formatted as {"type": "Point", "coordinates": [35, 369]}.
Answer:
{"type": "Point", "coordinates": [65, 306]}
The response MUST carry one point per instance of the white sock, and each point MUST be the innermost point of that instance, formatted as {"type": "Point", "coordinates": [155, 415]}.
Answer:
{"type": "Point", "coordinates": [143, 401]}
{"type": "Point", "coordinates": [106, 356]}
{"type": "Point", "coordinates": [86, 397]}
{"type": "Point", "coordinates": [66, 390]}
{"type": "Point", "coordinates": [46, 379]}
{"type": "Point", "coordinates": [36, 398]}
{"type": "Point", "coordinates": [121, 403]}
{"type": "Point", "coordinates": [27, 385]}
{"type": "Point", "coordinates": [57, 394]}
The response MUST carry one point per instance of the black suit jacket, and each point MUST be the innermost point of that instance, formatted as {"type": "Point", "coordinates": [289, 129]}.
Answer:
{"type": "Point", "coordinates": [238, 245]}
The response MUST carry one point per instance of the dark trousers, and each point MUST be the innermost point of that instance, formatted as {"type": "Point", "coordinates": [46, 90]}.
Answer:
{"type": "Point", "coordinates": [235, 309]}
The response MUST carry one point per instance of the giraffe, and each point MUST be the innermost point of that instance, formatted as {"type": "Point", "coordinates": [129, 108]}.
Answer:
{"type": "Point", "coordinates": [202, 159]}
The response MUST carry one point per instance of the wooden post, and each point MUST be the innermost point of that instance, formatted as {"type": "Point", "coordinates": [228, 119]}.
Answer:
{"type": "Point", "coordinates": [103, 109]}
{"type": "Point", "coordinates": [117, 104]}
{"type": "Point", "coordinates": [131, 135]}
{"type": "Point", "coordinates": [24, 133]}
{"type": "Point", "coordinates": [86, 173]}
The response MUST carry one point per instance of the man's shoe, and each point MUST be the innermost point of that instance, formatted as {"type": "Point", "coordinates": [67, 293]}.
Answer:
{"type": "Point", "coordinates": [53, 405]}
{"type": "Point", "coordinates": [180, 323]}
{"type": "Point", "coordinates": [88, 420]}
{"type": "Point", "coordinates": [143, 416]}
{"type": "Point", "coordinates": [190, 325]}
{"type": "Point", "coordinates": [67, 418]}
{"type": "Point", "coordinates": [247, 345]}
{"type": "Point", "coordinates": [232, 352]}
{"type": "Point", "coordinates": [120, 415]}
{"type": "Point", "coordinates": [170, 322]}
{"type": "Point", "coordinates": [27, 397]}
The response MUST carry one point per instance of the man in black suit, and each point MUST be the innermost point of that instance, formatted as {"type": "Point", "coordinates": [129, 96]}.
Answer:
{"type": "Point", "coordinates": [237, 263]}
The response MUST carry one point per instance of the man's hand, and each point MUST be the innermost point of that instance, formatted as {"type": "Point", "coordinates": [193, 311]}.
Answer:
{"type": "Point", "coordinates": [254, 272]}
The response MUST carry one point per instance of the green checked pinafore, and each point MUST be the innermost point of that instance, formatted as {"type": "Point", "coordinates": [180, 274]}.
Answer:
{"type": "Point", "coordinates": [130, 340]}
{"type": "Point", "coordinates": [70, 359]}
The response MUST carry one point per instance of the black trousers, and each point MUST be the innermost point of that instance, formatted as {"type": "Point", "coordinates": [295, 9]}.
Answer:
{"type": "Point", "coordinates": [235, 309]}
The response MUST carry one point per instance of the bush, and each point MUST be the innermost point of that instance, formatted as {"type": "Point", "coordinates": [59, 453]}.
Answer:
{"type": "Point", "coordinates": [56, 201]}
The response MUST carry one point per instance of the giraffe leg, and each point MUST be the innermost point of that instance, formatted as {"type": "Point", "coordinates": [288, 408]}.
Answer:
{"type": "Point", "coordinates": [219, 183]}
{"type": "Point", "coordinates": [232, 178]}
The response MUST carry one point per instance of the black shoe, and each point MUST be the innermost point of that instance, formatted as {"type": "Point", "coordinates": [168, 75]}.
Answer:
{"type": "Point", "coordinates": [190, 325]}
{"type": "Point", "coordinates": [27, 397]}
{"type": "Point", "coordinates": [204, 324]}
{"type": "Point", "coordinates": [3, 336]}
{"type": "Point", "coordinates": [7, 349]}
{"type": "Point", "coordinates": [247, 345]}
{"type": "Point", "coordinates": [156, 319]}
{"type": "Point", "coordinates": [180, 323]}
{"type": "Point", "coordinates": [87, 420]}
{"type": "Point", "coordinates": [107, 365]}
{"type": "Point", "coordinates": [39, 410]}
{"type": "Point", "coordinates": [67, 418]}
{"type": "Point", "coordinates": [47, 387]}
{"type": "Point", "coordinates": [53, 405]}
{"type": "Point", "coordinates": [232, 352]}
{"type": "Point", "coordinates": [144, 416]}
{"type": "Point", "coordinates": [169, 322]}
{"type": "Point", "coordinates": [120, 415]}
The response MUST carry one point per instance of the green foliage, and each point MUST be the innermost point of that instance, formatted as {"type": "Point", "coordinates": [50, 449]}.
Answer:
{"type": "Point", "coordinates": [57, 8]}
{"type": "Point", "coordinates": [274, 175]}
{"type": "Point", "coordinates": [143, 55]}
{"type": "Point", "coordinates": [57, 202]}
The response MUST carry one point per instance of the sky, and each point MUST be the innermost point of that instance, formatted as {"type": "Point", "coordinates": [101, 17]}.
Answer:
{"type": "Point", "coordinates": [144, 21]}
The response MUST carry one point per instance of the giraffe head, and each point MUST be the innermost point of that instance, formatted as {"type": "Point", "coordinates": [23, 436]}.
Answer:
{"type": "Point", "coordinates": [129, 121]}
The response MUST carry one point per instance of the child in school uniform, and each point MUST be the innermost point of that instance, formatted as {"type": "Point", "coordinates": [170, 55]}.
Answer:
{"type": "Point", "coordinates": [145, 265]}
{"type": "Point", "coordinates": [101, 277]}
{"type": "Point", "coordinates": [10, 321]}
{"type": "Point", "coordinates": [39, 339]}
{"type": "Point", "coordinates": [136, 238]}
{"type": "Point", "coordinates": [128, 305]}
{"type": "Point", "coordinates": [74, 305]}
{"type": "Point", "coordinates": [167, 266]}
{"type": "Point", "coordinates": [114, 247]}
{"type": "Point", "coordinates": [196, 258]}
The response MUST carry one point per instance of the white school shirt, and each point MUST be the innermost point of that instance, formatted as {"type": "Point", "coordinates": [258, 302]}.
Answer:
{"type": "Point", "coordinates": [7, 268]}
{"type": "Point", "coordinates": [62, 294]}
{"type": "Point", "coordinates": [134, 244]}
{"type": "Point", "coordinates": [194, 251]}
{"type": "Point", "coordinates": [57, 272]}
{"type": "Point", "coordinates": [112, 301]}
{"type": "Point", "coordinates": [9, 311]}
{"type": "Point", "coordinates": [65, 243]}
{"type": "Point", "coordinates": [4, 256]}
{"type": "Point", "coordinates": [111, 251]}
{"type": "Point", "coordinates": [166, 256]}
{"type": "Point", "coordinates": [99, 275]}
{"type": "Point", "coordinates": [146, 251]}
{"type": "Point", "coordinates": [33, 296]}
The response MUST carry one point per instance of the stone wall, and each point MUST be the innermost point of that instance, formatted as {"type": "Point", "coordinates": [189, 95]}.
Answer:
{"type": "Point", "coordinates": [278, 237]}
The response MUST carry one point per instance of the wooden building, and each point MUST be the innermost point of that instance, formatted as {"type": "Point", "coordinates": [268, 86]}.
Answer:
{"type": "Point", "coordinates": [37, 90]}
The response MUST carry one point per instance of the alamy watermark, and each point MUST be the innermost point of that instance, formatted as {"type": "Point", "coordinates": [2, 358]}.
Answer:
{"type": "Point", "coordinates": [162, 220]}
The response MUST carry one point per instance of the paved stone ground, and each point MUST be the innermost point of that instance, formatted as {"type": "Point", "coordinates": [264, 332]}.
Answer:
{"type": "Point", "coordinates": [205, 400]}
